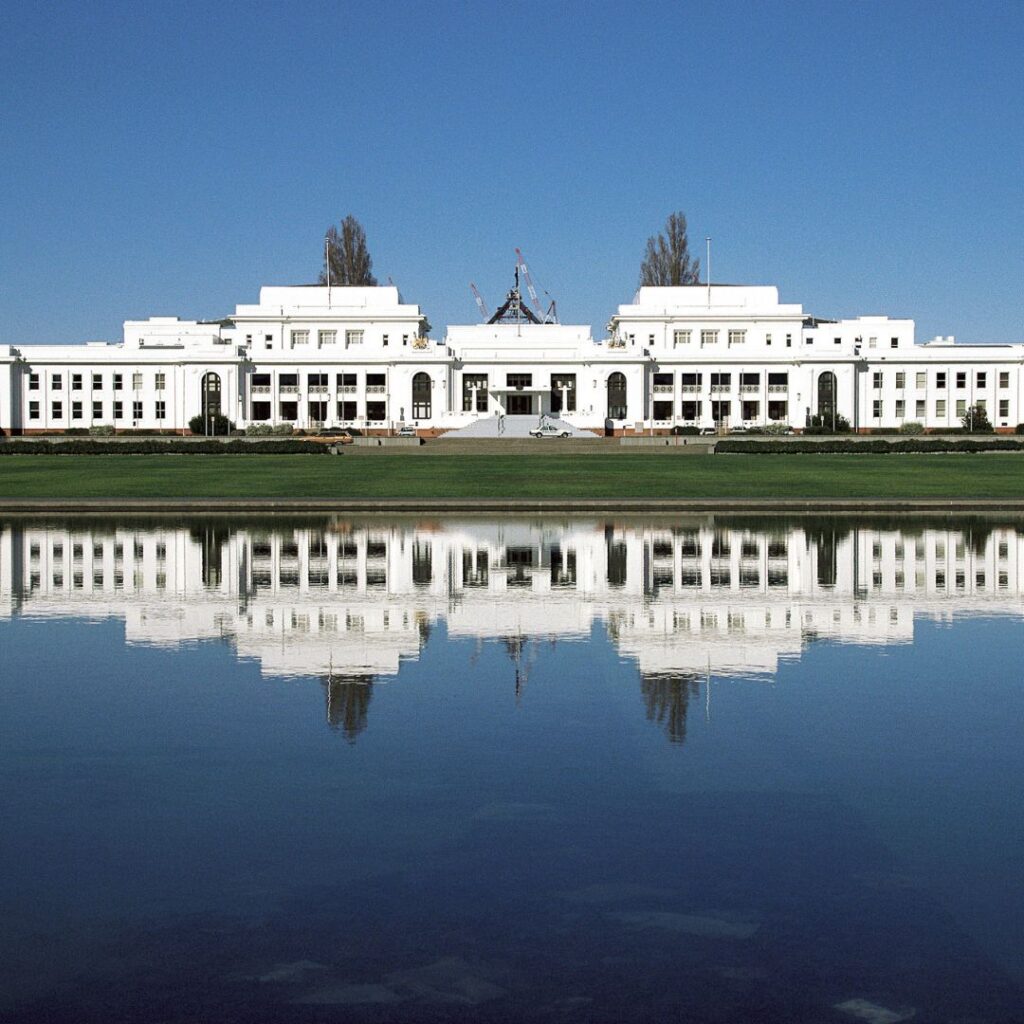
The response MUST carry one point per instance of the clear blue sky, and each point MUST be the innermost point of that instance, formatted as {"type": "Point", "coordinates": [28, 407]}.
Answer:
{"type": "Point", "coordinates": [169, 158]}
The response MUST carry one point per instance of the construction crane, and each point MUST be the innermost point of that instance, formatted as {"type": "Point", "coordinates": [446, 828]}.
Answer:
{"type": "Point", "coordinates": [550, 317]}
{"type": "Point", "coordinates": [481, 305]}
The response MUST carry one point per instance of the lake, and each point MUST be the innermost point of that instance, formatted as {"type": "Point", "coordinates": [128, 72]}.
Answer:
{"type": "Point", "coordinates": [559, 769]}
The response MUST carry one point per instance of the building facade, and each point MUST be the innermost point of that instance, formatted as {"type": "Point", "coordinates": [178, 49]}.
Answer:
{"type": "Point", "coordinates": [717, 356]}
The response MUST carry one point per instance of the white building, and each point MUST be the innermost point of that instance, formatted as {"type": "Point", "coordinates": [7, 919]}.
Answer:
{"type": "Point", "coordinates": [697, 356]}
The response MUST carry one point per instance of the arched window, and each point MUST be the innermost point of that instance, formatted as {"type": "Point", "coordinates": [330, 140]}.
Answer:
{"type": "Point", "coordinates": [210, 397]}
{"type": "Point", "coordinates": [421, 397]}
{"type": "Point", "coordinates": [617, 396]}
{"type": "Point", "coordinates": [827, 397]}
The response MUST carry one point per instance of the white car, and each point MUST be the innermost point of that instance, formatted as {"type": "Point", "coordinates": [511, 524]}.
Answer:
{"type": "Point", "coordinates": [549, 430]}
{"type": "Point", "coordinates": [407, 431]}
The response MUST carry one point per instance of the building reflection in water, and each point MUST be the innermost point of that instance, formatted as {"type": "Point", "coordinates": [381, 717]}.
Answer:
{"type": "Point", "coordinates": [349, 601]}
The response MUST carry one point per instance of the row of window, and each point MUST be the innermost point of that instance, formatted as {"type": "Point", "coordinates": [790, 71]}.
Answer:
{"type": "Point", "coordinates": [97, 380]}
{"type": "Point", "coordinates": [960, 378]}
{"type": "Point", "coordinates": [719, 380]}
{"type": "Point", "coordinates": [710, 337]}
{"type": "Point", "coordinates": [318, 412]}
{"type": "Point", "coordinates": [318, 380]}
{"type": "Point", "coordinates": [329, 337]}
{"type": "Point", "coordinates": [692, 411]}
{"type": "Point", "coordinates": [920, 407]}
{"type": "Point", "coordinates": [98, 410]}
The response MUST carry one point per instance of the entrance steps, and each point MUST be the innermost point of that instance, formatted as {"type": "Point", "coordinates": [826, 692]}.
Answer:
{"type": "Point", "coordinates": [510, 427]}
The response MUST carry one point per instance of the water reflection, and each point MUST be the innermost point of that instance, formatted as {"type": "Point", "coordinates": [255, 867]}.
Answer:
{"type": "Point", "coordinates": [349, 601]}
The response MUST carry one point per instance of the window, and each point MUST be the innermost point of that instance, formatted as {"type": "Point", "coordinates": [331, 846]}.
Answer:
{"type": "Point", "coordinates": [347, 381]}
{"type": "Point", "coordinates": [789, 340]}
{"type": "Point", "coordinates": [901, 380]}
{"type": "Point", "coordinates": [327, 337]}
{"type": "Point", "coordinates": [617, 396]}
{"type": "Point", "coordinates": [982, 404]}
{"type": "Point", "coordinates": [1004, 378]}
{"type": "Point", "coordinates": [76, 382]}
{"type": "Point", "coordinates": [353, 338]}
{"type": "Point", "coordinates": [690, 381]}
{"type": "Point", "coordinates": [876, 379]}
{"type": "Point", "coordinates": [894, 343]}
{"type": "Point", "coordinates": [563, 392]}
{"type": "Point", "coordinates": [961, 380]}
{"type": "Point", "coordinates": [872, 343]}
{"type": "Point", "coordinates": [136, 382]}
{"type": "Point", "coordinates": [405, 339]}
{"type": "Point", "coordinates": [838, 341]}
{"type": "Point", "coordinates": [709, 337]}
{"type": "Point", "coordinates": [474, 384]}
{"type": "Point", "coordinates": [375, 382]}
{"type": "Point", "coordinates": [97, 410]}
{"type": "Point", "coordinates": [961, 407]}
{"type": "Point", "coordinates": [982, 379]}
{"type": "Point", "coordinates": [737, 338]}
{"type": "Point", "coordinates": [663, 410]}
{"type": "Point", "coordinates": [317, 381]}
{"type": "Point", "coordinates": [33, 410]}
{"type": "Point", "coordinates": [97, 381]}
{"type": "Point", "coordinates": [268, 338]}
{"type": "Point", "coordinates": [519, 380]}
{"type": "Point", "coordinates": [136, 410]}
{"type": "Point", "coordinates": [921, 379]}
{"type": "Point", "coordinates": [33, 382]}
{"type": "Point", "coordinates": [901, 408]}
{"type": "Point", "coordinates": [119, 410]}
{"type": "Point", "coordinates": [691, 410]}
{"type": "Point", "coordinates": [346, 410]}
{"type": "Point", "coordinates": [721, 411]}
{"type": "Point", "coordinates": [56, 410]}
{"type": "Point", "coordinates": [376, 412]}
{"type": "Point", "coordinates": [118, 382]}
{"type": "Point", "coordinates": [778, 381]}
{"type": "Point", "coordinates": [681, 338]}
{"type": "Point", "coordinates": [876, 408]}
{"type": "Point", "coordinates": [768, 340]}
{"type": "Point", "coordinates": [161, 410]}
{"type": "Point", "coordinates": [288, 381]}
{"type": "Point", "coordinates": [261, 411]}
{"type": "Point", "coordinates": [161, 381]}
{"type": "Point", "coordinates": [421, 406]}
{"type": "Point", "coordinates": [940, 381]}
{"type": "Point", "coordinates": [940, 407]}
{"type": "Point", "coordinates": [260, 380]}
{"type": "Point", "coordinates": [721, 381]}
{"type": "Point", "coordinates": [663, 380]}
{"type": "Point", "coordinates": [650, 340]}
{"type": "Point", "coordinates": [385, 341]}
{"type": "Point", "coordinates": [919, 409]}
{"type": "Point", "coordinates": [56, 382]}
{"type": "Point", "coordinates": [809, 340]}
{"type": "Point", "coordinates": [300, 338]}
{"type": "Point", "coordinates": [1004, 407]}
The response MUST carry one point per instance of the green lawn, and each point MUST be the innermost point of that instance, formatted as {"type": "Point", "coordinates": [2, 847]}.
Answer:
{"type": "Point", "coordinates": [626, 475]}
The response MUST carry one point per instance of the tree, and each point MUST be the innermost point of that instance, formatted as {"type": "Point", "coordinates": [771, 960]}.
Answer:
{"type": "Point", "coordinates": [668, 260]}
{"type": "Point", "coordinates": [351, 263]}
{"type": "Point", "coordinates": [976, 421]}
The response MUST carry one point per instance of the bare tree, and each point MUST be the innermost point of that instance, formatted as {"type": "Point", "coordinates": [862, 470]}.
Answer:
{"type": "Point", "coordinates": [351, 263]}
{"type": "Point", "coordinates": [668, 260]}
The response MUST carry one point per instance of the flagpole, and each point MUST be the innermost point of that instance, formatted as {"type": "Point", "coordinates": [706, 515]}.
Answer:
{"type": "Point", "coordinates": [708, 270]}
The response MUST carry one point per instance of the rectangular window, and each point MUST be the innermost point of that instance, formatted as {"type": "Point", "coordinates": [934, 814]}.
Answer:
{"type": "Point", "coordinates": [1004, 408]}
{"type": "Point", "coordinates": [789, 340]}
{"type": "Point", "coordinates": [681, 338]}
{"type": "Point", "coordinates": [474, 384]}
{"type": "Point", "coordinates": [300, 338]}
{"type": "Point", "coordinates": [317, 380]}
{"type": "Point", "coordinates": [919, 410]}
{"type": "Point", "coordinates": [750, 380]}
{"type": "Point", "coordinates": [982, 404]}
{"type": "Point", "coordinates": [809, 339]}
{"type": "Point", "coordinates": [876, 408]}
{"type": "Point", "coordinates": [519, 380]}
{"type": "Point", "coordinates": [838, 341]}
{"type": "Point", "coordinates": [663, 410]}
{"type": "Point", "coordinates": [709, 337]}
{"type": "Point", "coordinates": [876, 379]}
{"type": "Point", "coordinates": [690, 381]}
{"type": "Point", "coordinates": [961, 380]}
{"type": "Point", "coordinates": [327, 337]}
{"type": "Point", "coordinates": [76, 382]}
{"type": "Point", "coordinates": [940, 407]}
{"type": "Point", "coordinates": [346, 380]}
{"type": "Point", "coordinates": [136, 382]}
{"type": "Point", "coordinates": [288, 381]}
{"type": "Point", "coordinates": [922, 379]}
{"type": "Point", "coordinates": [56, 410]}
{"type": "Point", "coordinates": [97, 381]}
{"type": "Point", "coordinates": [901, 380]}
{"type": "Point", "coordinates": [720, 411]}
{"type": "Point", "coordinates": [778, 381]}
{"type": "Point", "coordinates": [691, 411]}
{"type": "Point", "coordinates": [161, 381]}
{"type": "Point", "coordinates": [136, 410]}
{"type": "Point", "coordinates": [118, 382]}
{"type": "Point", "coordinates": [982, 379]}
{"type": "Point", "coordinates": [940, 381]}
{"type": "Point", "coordinates": [721, 381]}
{"type": "Point", "coordinates": [376, 412]}
{"type": "Point", "coordinates": [737, 338]}
{"type": "Point", "coordinates": [768, 340]}
{"type": "Point", "coordinates": [894, 343]}
{"type": "Point", "coordinates": [346, 411]}
{"type": "Point", "coordinates": [56, 382]}
{"type": "Point", "coordinates": [289, 411]}
{"type": "Point", "coordinates": [872, 343]}
{"type": "Point", "coordinates": [901, 408]}
{"type": "Point", "coordinates": [260, 380]}
{"type": "Point", "coordinates": [97, 410]}
{"type": "Point", "coordinates": [353, 338]}
{"type": "Point", "coordinates": [161, 410]}
{"type": "Point", "coordinates": [961, 407]}
{"type": "Point", "coordinates": [261, 411]}
{"type": "Point", "coordinates": [663, 380]}
{"type": "Point", "coordinates": [1004, 378]}
{"type": "Point", "coordinates": [33, 410]}
{"type": "Point", "coordinates": [385, 341]}
{"type": "Point", "coordinates": [119, 410]}
{"type": "Point", "coordinates": [375, 380]}
{"type": "Point", "coordinates": [778, 410]}
{"type": "Point", "coordinates": [33, 382]}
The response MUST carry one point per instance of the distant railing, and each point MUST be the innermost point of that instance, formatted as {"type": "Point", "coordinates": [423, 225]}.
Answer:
{"type": "Point", "coordinates": [720, 389]}
{"type": "Point", "coordinates": [375, 389]}
{"type": "Point", "coordinates": [318, 389]}
{"type": "Point", "coordinates": [289, 389]}
{"type": "Point", "coordinates": [778, 389]}
{"type": "Point", "coordinates": [749, 388]}
{"type": "Point", "coordinates": [261, 389]}
{"type": "Point", "coordinates": [691, 389]}
{"type": "Point", "coordinates": [347, 389]}
{"type": "Point", "coordinates": [663, 389]}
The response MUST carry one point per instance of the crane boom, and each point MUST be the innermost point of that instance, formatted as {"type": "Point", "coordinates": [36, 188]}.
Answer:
{"type": "Point", "coordinates": [479, 301]}
{"type": "Point", "coordinates": [549, 316]}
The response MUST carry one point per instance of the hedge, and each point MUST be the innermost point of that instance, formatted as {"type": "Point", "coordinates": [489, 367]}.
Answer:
{"type": "Point", "coordinates": [88, 447]}
{"type": "Point", "coordinates": [737, 446]}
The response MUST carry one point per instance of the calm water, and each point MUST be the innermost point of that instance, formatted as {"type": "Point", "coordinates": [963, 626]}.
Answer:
{"type": "Point", "coordinates": [538, 770]}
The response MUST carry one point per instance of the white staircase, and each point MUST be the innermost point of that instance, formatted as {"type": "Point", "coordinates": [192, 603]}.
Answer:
{"type": "Point", "coordinates": [510, 427]}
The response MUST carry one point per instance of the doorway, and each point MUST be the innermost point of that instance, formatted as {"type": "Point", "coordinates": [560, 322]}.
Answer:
{"type": "Point", "coordinates": [520, 405]}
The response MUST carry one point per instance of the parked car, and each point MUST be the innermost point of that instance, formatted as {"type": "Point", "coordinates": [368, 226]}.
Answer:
{"type": "Point", "coordinates": [336, 435]}
{"type": "Point", "coordinates": [708, 431]}
{"type": "Point", "coordinates": [549, 430]}
{"type": "Point", "coordinates": [407, 430]}
{"type": "Point", "coordinates": [737, 430]}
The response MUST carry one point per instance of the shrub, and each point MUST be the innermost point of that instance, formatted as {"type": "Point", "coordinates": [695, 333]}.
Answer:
{"type": "Point", "coordinates": [87, 446]}
{"type": "Point", "coordinates": [1019, 429]}
{"type": "Point", "coordinates": [102, 430]}
{"type": "Point", "coordinates": [211, 425]}
{"type": "Point", "coordinates": [819, 424]}
{"type": "Point", "coordinates": [976, 421]}
{"type": "Point", "coordinates": [912, 427]}
{"type": "Point", "coordinates": [778, 428]}
{"type": "Point", "coordinates": [283, 430]}
{"type": "Point", "coordinates": [879, 447]}
{"type": "Point", "coordinates": [258, 430]}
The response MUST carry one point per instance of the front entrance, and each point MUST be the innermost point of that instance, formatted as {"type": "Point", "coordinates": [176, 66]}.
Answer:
{"type": "Point", "coordinates": [520, 405]}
